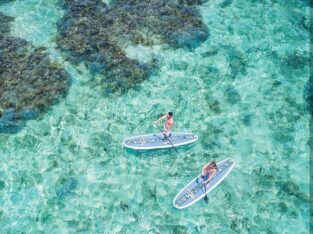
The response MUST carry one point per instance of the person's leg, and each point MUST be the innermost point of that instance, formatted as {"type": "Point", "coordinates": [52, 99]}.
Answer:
{"type": "Point", "coordinates": [167, 137]}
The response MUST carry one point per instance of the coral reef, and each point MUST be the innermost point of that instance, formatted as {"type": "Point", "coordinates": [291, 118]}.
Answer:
{"type": "Point", "coordinates": [29, 81]}
{"type": "Point", "coordinates": [4, 24]}
{"type": "Point", "coordinates": [94, 32]}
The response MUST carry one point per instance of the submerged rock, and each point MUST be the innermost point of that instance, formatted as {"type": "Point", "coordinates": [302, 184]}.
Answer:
{"type": "Point", "coordinates": [2, 184]}
{"type": "Point", "coordinates": [247, 119]}
{"type": "Point", "coordinates": [96, 33]}
{"type": "Point", "coordinates": [174, 229]}
{"type": "Point", "coordinates": [290, 188]}
{"type": "Point", "coordinates": [29, 81]}
{"type": "Point", "coordinates": [9, 127]}
{"type": "Point", "coordinates": [294, 61]}
{"type": "Point", "coordinates": [232, 95]}
{"type": "Point", "coordinates": [27, 114]}
{"type": "Point", "coordinates": [66, 187]}
{"type": "Point", "coordinates": [124, 206]}
{"type": "Point", "coordinates": [226, 3]}
{"type": "Point", "coordinates": [189, 38]}
{"type": "Point", "coordinates": [237, 62]}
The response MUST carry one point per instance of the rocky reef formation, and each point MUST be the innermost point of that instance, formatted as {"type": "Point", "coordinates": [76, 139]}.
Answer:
{"type": "Point", "coordinates": [29, 81]}
{"type": "Point", "coordinates": [97, 33]}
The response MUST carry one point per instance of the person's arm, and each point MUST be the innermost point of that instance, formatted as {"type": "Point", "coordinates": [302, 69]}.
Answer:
{"type": "Point", "coordinates": [210, 177]}
{"type": "Point", "coordinates": [162, 117]}
{"type": "Point", "coordinates": [203, 169]}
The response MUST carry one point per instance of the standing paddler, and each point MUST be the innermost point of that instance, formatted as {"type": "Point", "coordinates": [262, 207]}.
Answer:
{"type": "Point", "coordinates": [168, 125]}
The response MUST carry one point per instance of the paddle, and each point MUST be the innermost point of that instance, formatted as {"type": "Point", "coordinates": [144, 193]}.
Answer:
{"type": "Point", "coordinates": [206, 200]}
{"type": "Point", "coordinates": [166, 137]}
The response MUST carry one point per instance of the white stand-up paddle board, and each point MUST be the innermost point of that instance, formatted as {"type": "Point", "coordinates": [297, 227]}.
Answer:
{"type": "Point", "coordinates": [194, 191]}
{"type": "Point", "coordinates": [158, 141]}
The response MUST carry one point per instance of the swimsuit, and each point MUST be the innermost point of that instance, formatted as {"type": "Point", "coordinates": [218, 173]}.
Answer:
{"type": "Point", "coordinates": [203, 177]}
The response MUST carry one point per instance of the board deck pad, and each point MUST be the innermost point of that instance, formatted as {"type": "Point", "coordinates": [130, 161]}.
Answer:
{"type": "Point", "coordinates": [194, 191]}
{"type": "Point", "coordinates": [156, 141]}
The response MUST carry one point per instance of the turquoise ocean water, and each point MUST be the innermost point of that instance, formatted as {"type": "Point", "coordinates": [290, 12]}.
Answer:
{"type": "Point", "coordinates": [241, 90]}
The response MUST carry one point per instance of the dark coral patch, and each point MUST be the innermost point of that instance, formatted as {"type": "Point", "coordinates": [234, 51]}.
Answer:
{"type": "Point", "coordinates": [96, 33]}
{"type": "Point", "coordinates": [294, 63]}
{"type": "Point", "coordinates": [232, 95]}
{"type": "Point", "coordinates": [6, 1]}
{"type": "Point", "coordinates": [237, 62]}
{"type": "Point", "coordinates": [226, 3]}
{"type": "Point", "coordinates": [66, 187]}
{"type": "Point", "coordinates": [175, 23]}
{"type": "Point", "coordinates": [82, 35]}
{"type": "Point", "coordinates": [192, 2]}
{"type": "Point", "coordinates": [4, 24]}
{"type": "Point", "coordinates": [29, 81]}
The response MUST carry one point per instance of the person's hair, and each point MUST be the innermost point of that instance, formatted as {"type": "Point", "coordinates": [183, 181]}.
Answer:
{"type": "Point", "coordinates": [170, 113]}
{"type": "Point", "coordinates": [213, 164]}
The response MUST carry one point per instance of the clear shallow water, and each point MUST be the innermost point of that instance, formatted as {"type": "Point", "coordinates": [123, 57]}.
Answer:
{"type": "Point", "coordinates": [241, 91]}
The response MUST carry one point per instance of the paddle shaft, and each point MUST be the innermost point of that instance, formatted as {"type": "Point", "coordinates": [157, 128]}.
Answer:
{"type": "Point", "coordinates": [206, 196]}
{"type": "Point", "coordinates": [166, 137]}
